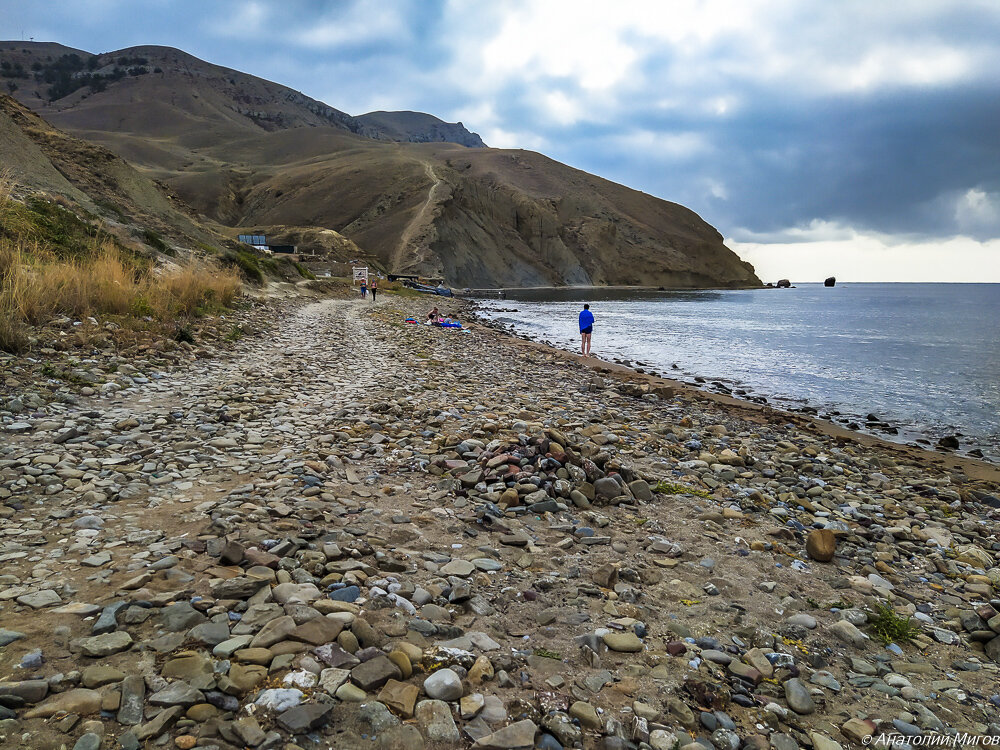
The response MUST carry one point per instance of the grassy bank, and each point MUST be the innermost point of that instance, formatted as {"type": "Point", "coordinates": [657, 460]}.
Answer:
{"type": "Point", "coordinates": [94, 275]}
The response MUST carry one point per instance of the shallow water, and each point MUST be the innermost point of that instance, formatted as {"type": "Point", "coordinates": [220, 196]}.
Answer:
{"type": "Point", "coordinates": [923, 357]}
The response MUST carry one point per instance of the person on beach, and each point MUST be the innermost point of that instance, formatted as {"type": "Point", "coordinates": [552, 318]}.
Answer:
{"type": "Point", "coordinates": [374, 288]}
{"type": "Point", "coordinates": [364, 288]}
{"type": "Point", "coordinates": [586, 329]}
{"type": "Point", "coordinates": [433, 315]}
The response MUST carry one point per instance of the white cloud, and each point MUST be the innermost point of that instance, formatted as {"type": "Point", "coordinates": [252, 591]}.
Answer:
{"type": "Point", "coordinates": [978, 210]}
{"type": "Point", "coordinates": [817, 230]}
{"type": "Point", "coordinates": [561, 109]}
{"type": "Point", "coordinates": [247, 21]}
{"type": "Point", "coordinates": [559, 39]}
{"type": "Point", "coordinates": [717, 190]}
{"type": "Point", "coordinates": [863, 256]}
{"type": "Point", "coordinates": [662, 146]}
{"type": "Point", "coordinates": [500, 138]}
{"type": "Point", "coordinates": [719, 44]}
{"type": "Point", "coordinates": [362, 23]}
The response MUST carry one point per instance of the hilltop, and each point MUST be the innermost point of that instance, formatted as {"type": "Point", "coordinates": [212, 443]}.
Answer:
{"type": "Point", "coordinates": [421, 195]}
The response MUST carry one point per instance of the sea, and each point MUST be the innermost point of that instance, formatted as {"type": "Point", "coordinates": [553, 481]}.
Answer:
{"type": "Point", "coordinates": [922, 359]}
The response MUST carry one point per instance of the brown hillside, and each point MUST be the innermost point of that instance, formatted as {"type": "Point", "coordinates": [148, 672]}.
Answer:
{"type": "Point", "coordinates": [245, 151]}
{"type": "Point", "coordinates": [42, 158]}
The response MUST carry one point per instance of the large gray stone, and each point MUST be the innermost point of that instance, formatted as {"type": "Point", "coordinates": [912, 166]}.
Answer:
{"type": "Point", "coordinates": [444, 685]}
{"type": "Point", "coordinates": [374, 673]}
{"type": "Point", "coordinates": [518, 736]}
{"type": "Point", "coordinates": [302, 718]}
{"type": "Point", "coordinates": [798, 696]}
{"type": "Point", "coordinates": [180, 616]}
{"type": "Point", "coordinates": [435, 721]}
{"type": "Point", "coordinates": [177, 694]}
{"type": "Point", "coordinates": [107, 644]}
{"type": "Point", "coordinates": [133, 695]}
{"type": "Point", "coordinates": [242, 587]}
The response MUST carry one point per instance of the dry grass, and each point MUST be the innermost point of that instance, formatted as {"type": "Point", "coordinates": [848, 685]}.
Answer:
{"type": "Point", "coordinates": [36, 285]}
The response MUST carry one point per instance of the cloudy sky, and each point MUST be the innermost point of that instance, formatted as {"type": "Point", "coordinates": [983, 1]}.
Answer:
{"type": "Point", "coordinates": [858, 138]}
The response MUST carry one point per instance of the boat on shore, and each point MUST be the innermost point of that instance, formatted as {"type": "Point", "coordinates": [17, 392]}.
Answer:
{"type": "Point", "coordinates": [440, 290]}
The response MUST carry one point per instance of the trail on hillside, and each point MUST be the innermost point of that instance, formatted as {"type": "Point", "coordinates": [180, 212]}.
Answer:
{"type": "Point", "coordinates": [414, 240]}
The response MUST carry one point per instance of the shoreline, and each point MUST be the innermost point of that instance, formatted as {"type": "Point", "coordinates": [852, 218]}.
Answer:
{"type": "Point", "coordinates": [972, 467]}
{"type": "Point", "coordinates": [473, 292]}
{"type": "Point", "coordinates": [808, 410]}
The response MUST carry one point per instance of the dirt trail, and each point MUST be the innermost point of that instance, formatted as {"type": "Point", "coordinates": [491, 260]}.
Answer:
{"type": "Point", "coordinates": [414, 239]}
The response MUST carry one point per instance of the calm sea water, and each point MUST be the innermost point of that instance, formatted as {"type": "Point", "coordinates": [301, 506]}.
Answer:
{"type": "Point", "coordinates": [923, 357]}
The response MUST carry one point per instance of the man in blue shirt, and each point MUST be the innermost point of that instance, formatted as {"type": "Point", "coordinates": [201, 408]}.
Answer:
{"type": "Point", "coordinates": [586, 328]}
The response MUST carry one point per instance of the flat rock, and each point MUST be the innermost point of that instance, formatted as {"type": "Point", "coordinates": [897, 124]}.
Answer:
{"type": "Point", "coordinates": [622, 640]}
{"type": "Point", "coordinates": [518, 736]}
{"type": "Point", "coordinates": [9, 636]}
{"type": "Point", "coordinates": [158, 723]}
{"type": "Point", "coordinates": [77, 701]}
{"type": "Point", "coordinates": [374, 673]}
{"type": "Point", "coordinates": [98, 675]}
{"type": "Point", "coordinates": [305, 717]}
{"type": "Point", "coordinates": [399, 696]}
{"type": "Point", "coordinates": [104, 645]}
{"type": "Point", "coordinates": [436, 722]}
{"type": "Point", "coordinates": [460, 568]}
{"type": "Point", "coordinates": [177, 694]}
{"type": "Point", "coordinates": [317, 632]}
{"type": "Point", "coordinates": [40, 599]}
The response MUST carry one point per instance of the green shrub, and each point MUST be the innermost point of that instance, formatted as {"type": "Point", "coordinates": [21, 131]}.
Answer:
{"type": "Point", "coordinates": [247, 263]}
{"type": "Point", "coordinates": [304, 272]}
{"type": "Point", "coordinates": [155, 241]}
{"type": "Point", "coordinates": [668, 488]}
{"type": "Point", "coordinates": [184, 335]}
{"type": "Point", "coordinates": [888, 627]}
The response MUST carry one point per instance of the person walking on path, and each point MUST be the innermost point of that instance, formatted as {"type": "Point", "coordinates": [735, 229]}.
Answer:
{"type": "Point", "coordinates": [364, 288]}
{"type": "Point", "coordinates": [586, 329]}
{"type": "Point", "coordinates": [373, 287]}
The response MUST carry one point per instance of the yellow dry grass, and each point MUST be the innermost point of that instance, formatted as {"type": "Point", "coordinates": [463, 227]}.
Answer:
{"type": "Point", "coordinates": [36, 285]}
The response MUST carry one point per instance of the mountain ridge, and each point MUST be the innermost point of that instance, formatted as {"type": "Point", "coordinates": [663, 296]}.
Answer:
{"type": "Point", "coordinates": [245, 151]}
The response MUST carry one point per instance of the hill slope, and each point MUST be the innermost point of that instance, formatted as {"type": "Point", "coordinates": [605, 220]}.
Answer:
{"type": "Point", "coordinates": [245, 151]}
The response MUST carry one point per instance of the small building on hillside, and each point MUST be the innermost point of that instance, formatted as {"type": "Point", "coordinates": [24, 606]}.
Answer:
{"type": "Point", "coordinates": [259, 242]}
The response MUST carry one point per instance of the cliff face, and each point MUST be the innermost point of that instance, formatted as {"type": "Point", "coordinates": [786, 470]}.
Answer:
{"type": "Point", "coordinates": [422, 195]}
{"type": "Point", "coordinates": [417, 127]}
{"type": "Point", "coordinates": [561, 226]}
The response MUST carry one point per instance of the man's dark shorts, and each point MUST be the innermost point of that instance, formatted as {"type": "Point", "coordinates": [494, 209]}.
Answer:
{"type": "Point", "coordinates": [588, 330]}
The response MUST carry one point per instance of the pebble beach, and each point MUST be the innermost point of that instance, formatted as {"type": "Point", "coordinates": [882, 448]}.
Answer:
{"type": "Point", "coordinates": [344, 531]}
